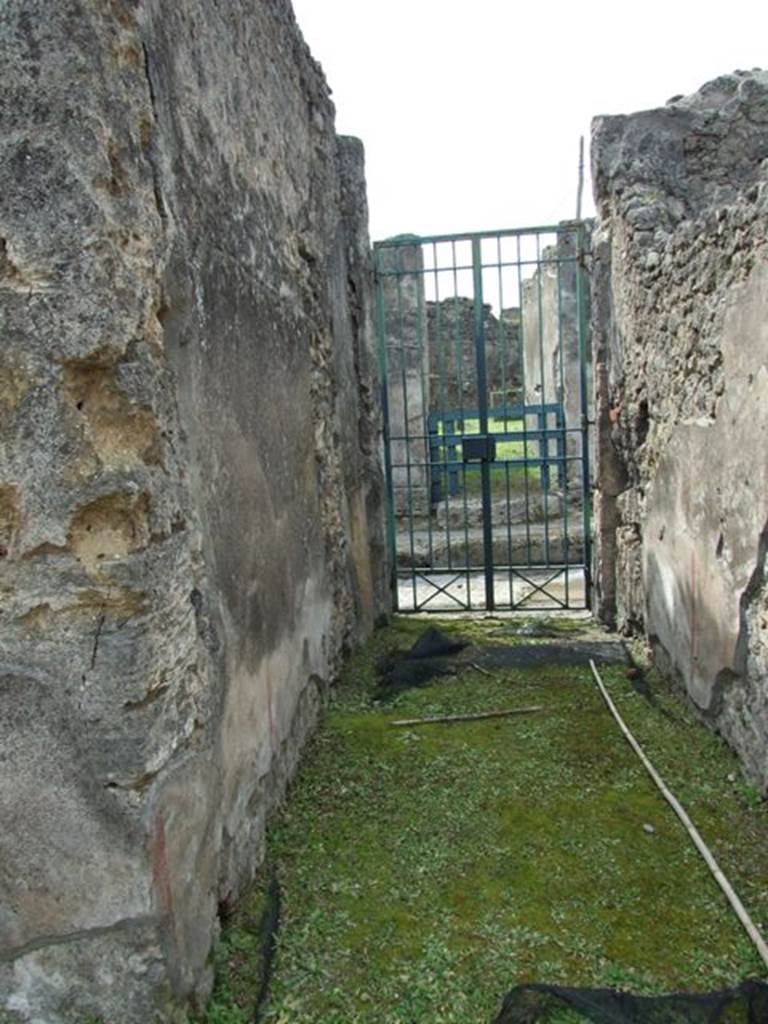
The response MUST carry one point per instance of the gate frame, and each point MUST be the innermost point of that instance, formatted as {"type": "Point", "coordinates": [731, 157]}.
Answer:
{"type": "Point", "coordinates": [580, 228]}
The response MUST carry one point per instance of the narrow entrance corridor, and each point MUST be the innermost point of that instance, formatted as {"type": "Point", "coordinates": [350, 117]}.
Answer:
{"type": "Point", "coordinates": [426, 870]}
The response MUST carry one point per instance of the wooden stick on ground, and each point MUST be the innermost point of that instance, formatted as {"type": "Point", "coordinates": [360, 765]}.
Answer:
{"type": "Point", "coordinates": [467, 718]}
{"type": "Point", "coordinates": [690, 828]}
{"type": "Point", "coordinates": [479, 668]}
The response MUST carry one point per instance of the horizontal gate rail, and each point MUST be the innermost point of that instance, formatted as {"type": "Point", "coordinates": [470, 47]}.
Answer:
{"type": "Point", "coordinates": [402, 241]}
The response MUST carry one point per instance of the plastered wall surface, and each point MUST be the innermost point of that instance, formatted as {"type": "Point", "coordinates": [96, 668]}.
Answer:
{"type": "Point", "coordinates": [681, 341]}
{"type": "Point", "coordinates": [190, 494]}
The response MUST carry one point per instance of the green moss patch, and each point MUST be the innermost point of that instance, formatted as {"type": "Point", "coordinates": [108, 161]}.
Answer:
{"type": "Point", "coordinates": [426, 871]}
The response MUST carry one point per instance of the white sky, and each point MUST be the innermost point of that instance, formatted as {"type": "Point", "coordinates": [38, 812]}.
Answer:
{"type": "Point", "coordinates": [471, 110]}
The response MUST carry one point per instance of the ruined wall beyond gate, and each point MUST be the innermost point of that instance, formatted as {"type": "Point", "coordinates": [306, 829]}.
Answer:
{"type": "Point", "coordinates": [453, 360]}
{"type": "Point", "coordinates": [680, 308]}
{"type": "Point", "coordinates": [190, 496]}
{"type": "Point", "coordinates": [553, 344]}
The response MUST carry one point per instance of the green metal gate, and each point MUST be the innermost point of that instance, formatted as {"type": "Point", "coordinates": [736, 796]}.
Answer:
{"type": "Point", "coordinates": [483, 343]}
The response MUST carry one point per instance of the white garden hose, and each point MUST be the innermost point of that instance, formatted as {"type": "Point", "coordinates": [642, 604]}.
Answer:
{"type": "Point", "coordinates": [677, 807]}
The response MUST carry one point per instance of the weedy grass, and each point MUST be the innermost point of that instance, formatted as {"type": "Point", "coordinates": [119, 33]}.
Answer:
{"type": "Point", "coordinates": [426, 871]}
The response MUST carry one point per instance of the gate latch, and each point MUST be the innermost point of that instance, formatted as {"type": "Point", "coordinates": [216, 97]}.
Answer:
{"type": "Point", "coordinates": [478, 448]}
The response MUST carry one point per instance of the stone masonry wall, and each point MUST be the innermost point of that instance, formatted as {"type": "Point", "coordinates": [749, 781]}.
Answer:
{"type": "Point", "coordinates": [190, 495]}
{"type": "Point", "coordinates": [680, 315]}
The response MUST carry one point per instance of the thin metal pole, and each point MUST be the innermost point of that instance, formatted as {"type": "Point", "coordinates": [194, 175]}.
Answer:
{"type": "Point", "coordinates": [580, 190]}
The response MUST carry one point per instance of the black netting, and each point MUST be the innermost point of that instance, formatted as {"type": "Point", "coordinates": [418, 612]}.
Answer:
{"type": "Point", "coordinates": [430, 656]}
{"type": "Point", "coordinates": [435, 654]}
{"type": "Point", "coordinates": [552, 1004]}
{"type": "Point", "coordinates": [574, 653]}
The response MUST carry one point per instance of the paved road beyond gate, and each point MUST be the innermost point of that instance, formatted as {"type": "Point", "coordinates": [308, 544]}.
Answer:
{"type": "Point", "coordinates": [484, 349]}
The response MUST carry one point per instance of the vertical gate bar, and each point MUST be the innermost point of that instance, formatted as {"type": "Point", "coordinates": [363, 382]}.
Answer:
{"type": "Point", "coordinates": [435, 469]}
{"type": "Point", "coordinates": [545, 466]}
{"type": "Point", "coordinates": [422, 328]}
{"type": "Point", "coordinates": [389, 499]}
{"type": "Point", "coordinates": [583, 322]}
{"type": "Point", "coordinates": [439, 336]}
{"type": "Point", "coordinates": [560, 441]}
{"type": "Point", "coordinates": [458, 348]}
{"type": "Point", "coordinates": [560, 393]}
{"type": "Point", "coordinates": [482, 395]}
{"type": "Point", "coordinates": [406, 421]}
{"type": "Point", "coordinates": [503, 350]}
{"type": "Point", "coordinates": [562, 422]}
{"type": "Point", "coordinates": [509, 530]}
{"type": "Point", "coordinates": [453, 458]}
{"type": "Point", "coordinates": [524, 364]}
{"type": "Point", "coordinates": [541, 427]}
{"type": "Point", "coordinates": [452, 476]}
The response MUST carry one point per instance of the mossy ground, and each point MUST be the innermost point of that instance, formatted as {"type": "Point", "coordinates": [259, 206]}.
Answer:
{"type": "Point", "coordinates": [426, 871]}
